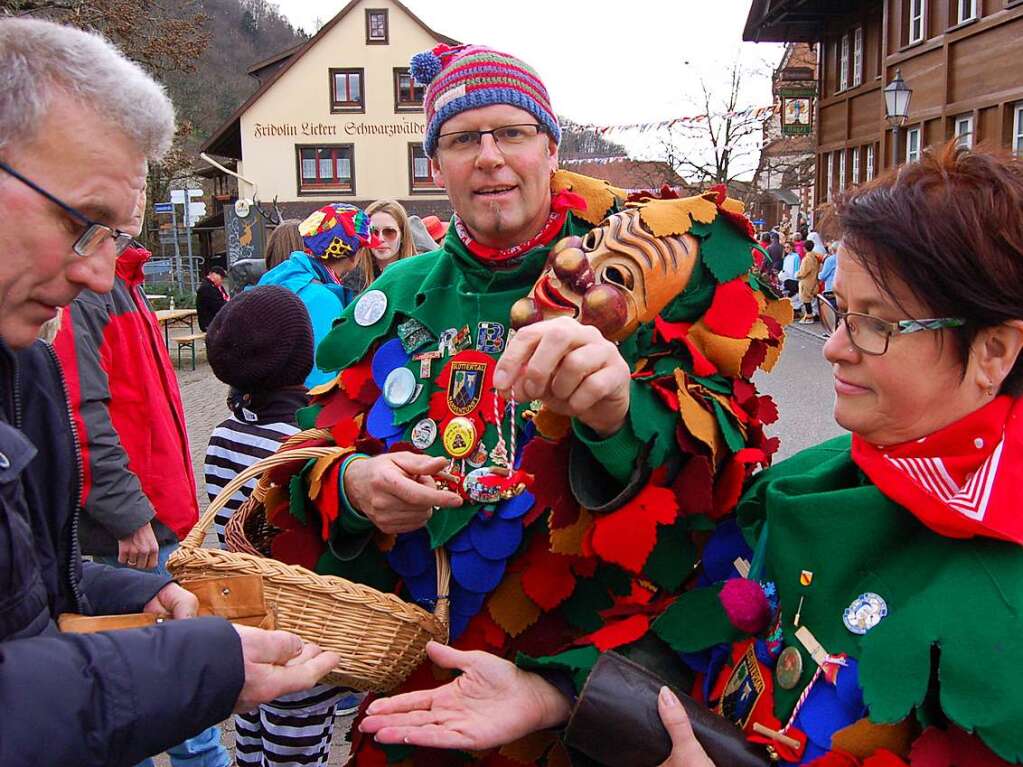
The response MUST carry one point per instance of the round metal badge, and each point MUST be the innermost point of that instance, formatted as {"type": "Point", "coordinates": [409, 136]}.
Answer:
{"type": "Point", "coordinates": [477, 490]}
{"type": "Point", "coordinates": [478, 458]}
{"type": "Point", "coordinates": [399, 387]}
{"type": "Point", "coordinates": [460, 437]}
{"type": "Point", "coordinates": [424, 433]}
{"type": "Point", "coordinates": [865, 612]}
{"type": "Point", "coordinates": [370, 307]}
{"type": "Point", "coordinates": [789, 668]}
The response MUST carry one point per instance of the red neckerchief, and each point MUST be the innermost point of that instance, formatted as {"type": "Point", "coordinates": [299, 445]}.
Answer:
{"type": "Point", "coordinates": [962, 481]}
{"type": "Point", "coordinates": [129, 265]}
{"type": "Point", "coordinates": [561, 203]}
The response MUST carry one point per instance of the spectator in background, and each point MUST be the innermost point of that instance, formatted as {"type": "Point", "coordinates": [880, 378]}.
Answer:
{"type": "Point", "coordinates": [421, 236]}
{"type": "Point", "coordinates": [388, 221]}
{"type": "Point", "coordinates": [776, 253]}
{"type": "Point", "coordinates": [211, 296]}
{"type": "Point", "coordinates": [331, 238]}
{"type": "Point", "coordinates": [798, 244]}
{"type": "Point", "coordinates": [436, 228]}
{"type": "Point", "coordinates": [284, 240]}
{"type": "Point", "coordinates": [265, 364]}
{"type": "Point", "coordinates": [827, 275]}
{"type": "Point", "coordinates": [809, 269]}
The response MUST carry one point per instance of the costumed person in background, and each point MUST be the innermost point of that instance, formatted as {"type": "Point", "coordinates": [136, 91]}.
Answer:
{"type": "Point", "coordinates": [283, 241]}
{"type": "Point", "coordinates": [436, 228]}
{"type": "Point", "coordinates": [211, 296]}
{"type": "Point", "coordinates": [331, 236]}
{"type": "Point", "coordinates": [807, 275]}
{"type": "Point", "coordinates": [265, 364]}
{"type": "Point", "coordinates": [575, 454]}
{"type": "Point", "coordinates": [889, 563]}
{"type": "Point", "coordinates": [389, 222]}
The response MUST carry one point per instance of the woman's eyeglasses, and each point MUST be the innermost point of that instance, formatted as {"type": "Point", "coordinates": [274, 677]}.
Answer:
{"type": "Point", "coordinates": [387, 232]}
{"type": "Point", "coordinates": [871, 335]}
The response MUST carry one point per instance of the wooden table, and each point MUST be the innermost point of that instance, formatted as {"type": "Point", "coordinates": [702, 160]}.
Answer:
{"type": "Point", "coordinates": [177, 318]}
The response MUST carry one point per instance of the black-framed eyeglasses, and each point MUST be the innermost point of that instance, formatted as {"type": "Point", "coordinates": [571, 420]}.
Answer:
{"type": "Point", "coordinates": [92, 239]}
{"type": "Point", "coordinates": [871, 335]}
{"type": "Point", "coordinates": [508, 137]}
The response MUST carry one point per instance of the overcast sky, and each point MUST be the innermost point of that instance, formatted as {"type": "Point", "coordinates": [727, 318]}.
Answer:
{"type": "Point", "coordinates": [604, 61]}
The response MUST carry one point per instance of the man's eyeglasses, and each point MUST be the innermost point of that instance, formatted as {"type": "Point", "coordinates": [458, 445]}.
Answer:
{"type": "Point", "coordinates": [387, 232]}
{"type": "Point", "coordinates": [95, 234]}
{"type": "Point", "coordinates": [509, 138]}
{"type": "Point", "coordinates": [871, 335]}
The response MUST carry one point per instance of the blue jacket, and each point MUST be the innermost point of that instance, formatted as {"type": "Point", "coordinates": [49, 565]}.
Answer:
{"type": "Point", "coordinates": [323, 300]}
{"type": "Point", "coordinates": [828, 272]}
{"type": "Point", "coordinates": [87, 699]}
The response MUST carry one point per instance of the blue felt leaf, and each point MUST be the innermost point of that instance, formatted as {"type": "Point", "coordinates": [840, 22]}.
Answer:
{"type": "Point", "coordinates": [411, 554]}
{"type": "Point", "coordinates": [476, 573]}
{"type": "Point", "coordinates": [380, 421]}
{"type": "Point", "coordinates": [423, 588]}
{"type": "Point", "coordinates": [388, 357]}
{"type": "Point", "coordinates": [458, 624]}
{"type": "Point", "coordinates": [465, 602]}
{"type": "Point", "coordinates": [824, 713]}
{"type": "Point", "coordinates": [516, 507]}
{"type": "Point", "coordinates": [719, 554]}
{"type": "Point", "coordinates": [461, 541]}
{"type": "Point", "coordinates": [495, 538]}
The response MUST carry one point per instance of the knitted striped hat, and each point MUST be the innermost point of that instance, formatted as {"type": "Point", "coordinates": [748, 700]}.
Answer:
{"type": "Point", "coordinates": [471, 76]}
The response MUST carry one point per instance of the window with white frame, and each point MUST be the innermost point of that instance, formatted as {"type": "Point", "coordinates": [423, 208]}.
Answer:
{"type": "Point", "coordinates": [1017, 130]}
{"type": "Point", "coordinates": [967, 10]}
{"type": "Point", "coordinates": [912, 145]}
{"type": "Point", "coordinates": [917, 14]}
{"type": "Point", "coordinates": [857, 57]}
{"type": "Point", "coordinates": [843, 65]}
{"type": "Point", "coordinates": [830, 174]}
{"type": "Point", "coordinates": [856, 165]}
{"type": "Point", "coordinates": [841, 170]}
{"type": "Point", "coordinates": [870, 162]}
{"type": "Point", "coordinates": [964, 131]}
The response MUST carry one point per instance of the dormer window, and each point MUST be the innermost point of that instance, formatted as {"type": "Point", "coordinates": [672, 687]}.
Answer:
{"type": "Point", "coordinates": [376, 26]}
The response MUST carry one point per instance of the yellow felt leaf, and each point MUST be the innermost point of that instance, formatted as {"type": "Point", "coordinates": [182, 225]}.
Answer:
{"type": "Point", "coordinates": [724, 402]}
{"type": "Point", "coordinates": [551, 425]}
{"type": "Point", "coordinates": [771, 359]}
{"type": "Point", "coordinates": [863, 738]}
{"type": "Point", "coordinates": [316, 473]}
{"type": "Point", "coordinates": [510, 608]}
{"type": "Point", "coordinates": [672, 217]}
{"type": "Point", "coordinates": [780, 311]}
{"type": "Point", "coordinates": [700, 422]}
{"type": "Point", "coordinates": [726, 353]}
{"type": "Point", "coordinates": [599, 195]}
{"type": "Point", "coordinates": [761, 302]}
{"type": "Point", "coordinates": [275, 496]}
{"type": "Point", "coordinates": [569, 540]}
{"type": "Point", "coordinates": [734, 206]}
{"type": "Point", "coordinates": [529, 749]}
{"type": "Point", "coordinates": [759, 330]}
{"type": "Point", "coordinates": [326, 387]}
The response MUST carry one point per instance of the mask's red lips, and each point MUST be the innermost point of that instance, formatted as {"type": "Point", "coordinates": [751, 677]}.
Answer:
{"type": "Point", "coordinates": [548, 297]}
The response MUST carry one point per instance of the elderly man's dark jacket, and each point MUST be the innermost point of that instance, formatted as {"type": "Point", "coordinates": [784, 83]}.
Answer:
{"type": "Point", "coordinates": [98, 699]}
{"type": "Point", "coordinates": [208, 301]}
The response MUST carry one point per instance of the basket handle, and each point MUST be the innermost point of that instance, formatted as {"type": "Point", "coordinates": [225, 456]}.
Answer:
{"type": "Point", "coordinates": [197, 534]}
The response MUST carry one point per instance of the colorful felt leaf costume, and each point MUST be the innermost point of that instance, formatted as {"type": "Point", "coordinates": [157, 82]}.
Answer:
{"type": "Point", "coordinates": [588, 556]}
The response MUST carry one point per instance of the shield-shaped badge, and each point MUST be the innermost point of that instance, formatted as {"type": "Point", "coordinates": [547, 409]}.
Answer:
{"type": "Point", "coordinates": [465, 386]}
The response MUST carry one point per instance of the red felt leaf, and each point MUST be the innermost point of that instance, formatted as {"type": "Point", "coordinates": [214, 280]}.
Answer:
{"type": "Point", "coordinates": [885, 758]}
{"type": "Point", "coordinates": [550, 634]}
{"type": "Point", "coordinates": [617, 634]}
{"type": "Point", "coordinates": [482, 633]}
{"type": "Point", "coordinates": [951, 747]}
{"type": "Point", "coordinates": [280, 516]}
{"type": "Point", "coordinates": [338, 408]}
{"type": "Point", "coordinates": [627, 536]}
{"type": "Point", "coordinates": [688, 444]}
{"type": "Point", "coordinates": [358, 383]}
{"type": "Point", "coordinates": [281, 474]}
{"type": "Point", "coordinates": [328, 502]}
{"type": "Point", "coordinates": [835, 759]}
{"type": "Point", "coordinates": [767, 411]}
{"type": "Point", "coordinates": [733, 310]}
{"type": "Point", "coordinates": [694, 487]}
{"type": "Point", "coordinates": [547, 461]}
{"type": "Point", "coordinates": [679, 331]}
{"type": "Point", "coordinates": [345, 432]}
{"type": "Point", "coordinates": [667, 389]}
{"type": "Point", "coordinates": [728, 487]}
{"type": "Point", "coordinates": [300, 546]}
{"type": "Point", "coordinates": [773, 326]}
{"type": "Point", "coordinates": [743, 391]}
{"type": "Point", "coordinates": [548, 579]}
{"type": "Point", "coordinates": [753, 359]}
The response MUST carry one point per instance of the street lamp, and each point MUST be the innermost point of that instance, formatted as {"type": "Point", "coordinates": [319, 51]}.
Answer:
{"type": "Point", "coordinates": [896, 107]}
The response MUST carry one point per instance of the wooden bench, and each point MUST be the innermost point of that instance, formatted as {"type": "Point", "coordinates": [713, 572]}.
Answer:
{"type": "Point", "coordinates": [188, 341]}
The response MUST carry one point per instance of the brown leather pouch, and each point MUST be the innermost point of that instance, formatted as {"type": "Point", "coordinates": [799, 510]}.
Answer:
{"type": "Point", "coordinates": [616, 722]}
{"type": "Point", "coordinates": [238, 598]}
{"type": "Point", "coordinates": [73, 623]}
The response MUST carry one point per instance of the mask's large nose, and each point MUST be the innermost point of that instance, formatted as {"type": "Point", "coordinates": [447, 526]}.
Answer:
{"type": "Point", "coordinates": [572, 267]}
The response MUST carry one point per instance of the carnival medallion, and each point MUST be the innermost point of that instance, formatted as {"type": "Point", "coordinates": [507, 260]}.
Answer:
{"type": "Point", "coordinates": [865, 612]}
{"type": "Point", "coordinates": [370, 307]}
{"type": "Point", "coordinates": [460, 437]}
{"type": "Point", "coordinates": [478, 489]}
{"type": "Point", "coordinates": [465, 386]}
{"type": "Point", "coordinates": [424, 434]}
{"type": "Point", "coordinates": [789, 668]}
{"type": "Point", "coordinates": [400, 387]}
{"type": "Point", "coordinates": [479, 456]}
{"type": "Point", "coordinates": [743, 689]}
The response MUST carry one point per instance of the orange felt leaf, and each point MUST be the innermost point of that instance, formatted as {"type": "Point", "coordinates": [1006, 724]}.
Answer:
{"type": "Point", "coordinates": [315, 476]}
{"type": "Point", "coordinates": [760, 331]}
{"type": "Point", "coordinates": [616, 634]}
{"type": "Point", "coordinates": [325, 388]}
{"type": "Point", "coordinates": [510, 608]}
{"type": "Point", "coordinates": [780, 311]}
{"type": "Point", "coordinates": [773, 355]}
{"type": "Point", "coordinates": [675, 217]}
{"type": "Point", "coordinates": [529, 749]}
{"type": "Point", "coordinates": [548, 580]}
{"type": "Point", "coordinates": [599, 195]}
{"type": "Point", "coordinates": [725, 353]}
{"type": "Point", "coordinates": [569, 540]}
{"type": "Point", "coordinates": [627, 536]}
{"type": "Point", "coordinates": [864, 737]}
{"type": "Point", "coordinates": [384, 541]}
{"type": "Point", "coordinates": [698, 420]}
{"type": "Point", "coordinates": [734, 206]}
{"type": "Point", "coordinates": [552, 425]}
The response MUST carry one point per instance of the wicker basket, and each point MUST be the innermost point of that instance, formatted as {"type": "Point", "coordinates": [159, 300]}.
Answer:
{"type": "Point", "coordinates": [381, 638]}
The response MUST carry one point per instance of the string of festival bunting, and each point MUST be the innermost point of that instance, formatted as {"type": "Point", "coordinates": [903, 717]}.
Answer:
{"type": "Point", "coordinates": [757, 113]}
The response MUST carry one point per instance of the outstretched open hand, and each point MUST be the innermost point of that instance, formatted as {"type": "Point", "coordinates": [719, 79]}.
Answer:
{"type": "Point", "coordinates": [492, 703]}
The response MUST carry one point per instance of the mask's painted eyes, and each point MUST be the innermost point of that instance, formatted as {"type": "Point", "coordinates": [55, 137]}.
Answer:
{"type": "Point", "coordinates": [593, 239]}
{"type": "Point", "coordinates": [615, 276]}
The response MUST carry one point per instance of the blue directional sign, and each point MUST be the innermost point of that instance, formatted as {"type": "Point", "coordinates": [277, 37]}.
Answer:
{"type": "Point", "coordinates": [163, 207]}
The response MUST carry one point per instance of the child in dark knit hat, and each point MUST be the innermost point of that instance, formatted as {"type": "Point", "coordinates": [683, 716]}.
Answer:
{"type": "Point", "coordinates": [261, 344]}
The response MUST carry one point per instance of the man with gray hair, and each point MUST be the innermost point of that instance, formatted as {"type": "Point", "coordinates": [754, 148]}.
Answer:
{"type": "Point", "coordinates": [77, 124]}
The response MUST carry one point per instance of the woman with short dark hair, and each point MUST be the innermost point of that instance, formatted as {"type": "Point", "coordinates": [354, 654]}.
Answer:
{"type": "Point", "coordinates": [866, 599]}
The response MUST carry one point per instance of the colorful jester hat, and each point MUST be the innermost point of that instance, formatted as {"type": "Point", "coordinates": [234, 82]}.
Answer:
{"type": "Point", "coordinates": [337, 230]}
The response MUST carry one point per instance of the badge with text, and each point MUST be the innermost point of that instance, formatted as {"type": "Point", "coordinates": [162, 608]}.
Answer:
{"type": "Point", "coordinates": [370, 307]}
{"type": "Point", "coordinates": [465, 386]}
{"type": "Point", "coordinates": [459, 437]}
{"type": "Point", "coordinates": [490, 337]}
{"type": "Point", "coordinates": [742, 691]}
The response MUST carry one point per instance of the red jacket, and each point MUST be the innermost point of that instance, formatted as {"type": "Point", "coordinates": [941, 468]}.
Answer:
{"type": "Point", "coordinates": [127, 408]}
